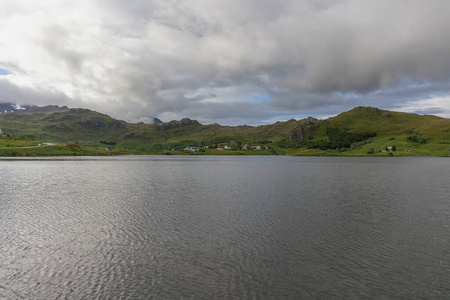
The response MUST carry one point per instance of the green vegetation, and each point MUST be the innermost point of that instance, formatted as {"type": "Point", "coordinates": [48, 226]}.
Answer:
{"type": "Point", "coordinates": [335, 139]}
{"type": "Point", "coordinates": [363, 131]}
{"type": "Point", "coordinates": [8, 140]}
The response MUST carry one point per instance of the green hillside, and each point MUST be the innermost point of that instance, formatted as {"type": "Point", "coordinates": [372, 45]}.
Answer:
{"type": "Point", "coordinates": [359, 132]}
{"type": "Point", "coordinates": [411, 134]}
{"type": "Point", "coordinates": [98, 130]}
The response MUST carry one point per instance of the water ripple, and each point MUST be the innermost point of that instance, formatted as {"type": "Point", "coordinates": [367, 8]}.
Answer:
{"type": "Point", "coordinates": [224, 228]}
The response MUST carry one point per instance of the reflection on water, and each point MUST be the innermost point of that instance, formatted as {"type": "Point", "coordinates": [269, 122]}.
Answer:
{"type": "Point", "coordinates": [224, 227]}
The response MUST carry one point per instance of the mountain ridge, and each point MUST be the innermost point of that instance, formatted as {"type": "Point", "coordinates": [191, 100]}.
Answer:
{"type": "Point", "coordinates": [360, 130]}
{"type": "Point", "coordinates": [10, 107]}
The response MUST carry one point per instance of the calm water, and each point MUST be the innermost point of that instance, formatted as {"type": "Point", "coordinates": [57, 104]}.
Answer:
{"type": "Point", "coordinates": [202, 227]}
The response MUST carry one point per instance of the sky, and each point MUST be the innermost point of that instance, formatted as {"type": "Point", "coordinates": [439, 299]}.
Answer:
{"type": "Point", "coordinates": [231, 62]}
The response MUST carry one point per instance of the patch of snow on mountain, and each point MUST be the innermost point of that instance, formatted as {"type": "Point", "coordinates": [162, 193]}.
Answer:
{"type": "Point", "coordinates": [17, 107]}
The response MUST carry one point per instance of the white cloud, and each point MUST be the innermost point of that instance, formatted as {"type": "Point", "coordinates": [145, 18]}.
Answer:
{"type": "Point", "coordinates": [438, 106]}
{"type": "Point", "coordinates": [169, 58]}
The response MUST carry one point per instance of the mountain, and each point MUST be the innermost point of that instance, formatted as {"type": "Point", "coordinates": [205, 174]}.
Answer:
{"type": "Point", "coordinates": [156, 121]}
{"type": "Point", "coordinates": [356, 132]}
{"type": "Point", "coordinates": [10, 107]}
{"type": "Point", "coordinates": [365, 130]}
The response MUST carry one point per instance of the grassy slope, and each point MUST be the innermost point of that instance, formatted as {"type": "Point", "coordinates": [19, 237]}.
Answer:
{"type": "Point", "coordinates": [62, 127]}
{"type": "Point", "coordinates": [66, 126]}
{"type": "Point", "coordinates": [385, 122]}
{"type": "Point", "coordinates": [13, 141]}
{"type": "Point", "coordinates": [89, 128]}
{"type": "Point", "coordinates": [392, 128]}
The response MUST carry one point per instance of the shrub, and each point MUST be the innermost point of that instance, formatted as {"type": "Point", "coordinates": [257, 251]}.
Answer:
{"type": "Point", "coordinates": [416, 139]}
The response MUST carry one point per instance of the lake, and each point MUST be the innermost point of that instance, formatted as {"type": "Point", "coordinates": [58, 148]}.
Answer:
{"type": "Point", "coordinates": [225, 227]}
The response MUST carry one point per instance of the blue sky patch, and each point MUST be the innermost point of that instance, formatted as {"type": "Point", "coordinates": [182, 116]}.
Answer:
{"type": "Point", "coordinates": [4, 72]}
{"type": "Point", "coordinates": [259, 98]}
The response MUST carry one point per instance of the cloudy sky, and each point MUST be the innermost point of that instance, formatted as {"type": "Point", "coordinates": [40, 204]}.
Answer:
{"type": "Point", "coordinates": [229, 62]}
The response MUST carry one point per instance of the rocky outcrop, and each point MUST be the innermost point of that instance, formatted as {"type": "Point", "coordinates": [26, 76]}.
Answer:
{"type": "Point", "coordinates": [48, 108]}
{"type": "Point", "coordinates": [310, 121]}
{"type": "Point", "coordinates": [297, 133]}
{"type": "Point", "coordinates": [368, 109]}
{"type": "Point", "coordinates": [304, 129]}
{"type": "Point", "coordinates": [78, 110]}
{"type": "Point", "coordinates": [116, 125]}
{"type": "Point", "coordinates": [175, 124]}
{"type": "Point", "coordinates": [93, 122]}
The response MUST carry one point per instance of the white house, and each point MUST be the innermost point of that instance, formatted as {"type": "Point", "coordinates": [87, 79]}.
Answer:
{"type": "Point", "coordinates": [226, 147]}
{"type": "Point", "coordinates": [191, 148]}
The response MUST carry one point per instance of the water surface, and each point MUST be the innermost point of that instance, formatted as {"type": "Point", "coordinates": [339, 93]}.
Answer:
{"type": "Point", "coordinates": [205, 227]}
